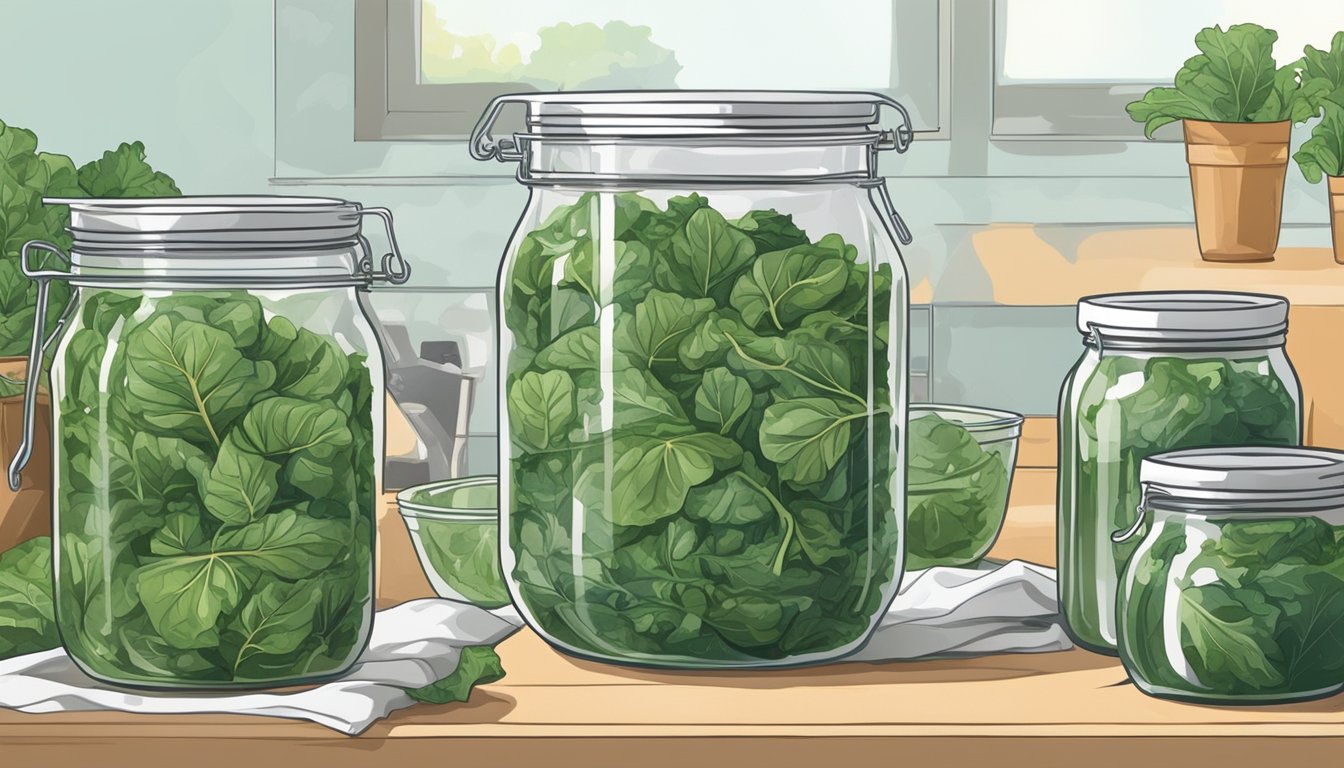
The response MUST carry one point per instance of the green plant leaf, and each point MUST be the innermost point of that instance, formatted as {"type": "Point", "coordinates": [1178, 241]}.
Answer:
{"type": "Point", "coordinates": [661, 321]}
{"type": "Point", "coordinates": [275, 620]}
{"type": "Point", "coordinates": [1230, 80]}
{"type": "Point", "coordinates": [123, 172]}
{"type": "Point", "coordinates": [166, 467]}
{"type": "Point", "coordinates": [807, 436]}
{"type": "Point", "coordinates": [731, 500]}
{"type": "Point", "coordinates": [1326, 66]}
{"type": "Point", "coordinates": [1227, 637]}
{"type": "Point", "coordinates": [241, 484]}
{"type": "Point", "coordinates": [190, 379]}
{"type": "Point", "coordinates": [286, 426]}
{"type": "Point", "coordinates": [785, 286]}
{"type": "Point", "coordinates": [27, 614]}
{"type": "Point", "coordinates": [651, 476]}
{"type": "Point", "coordinates": [478, 665]}
{"type": "Point", "coordinates": [541, 407]}
{"type": "Point", "coordinates": [1323, 154]}
{"type": "Point", "coordinates": [185, 595]}
{"type": "Point", "coordinates": [771, 230]}
{"type": "Point", "coordinates": [722, 399]}
{"type": "Point", "coordinates": [706, 254]}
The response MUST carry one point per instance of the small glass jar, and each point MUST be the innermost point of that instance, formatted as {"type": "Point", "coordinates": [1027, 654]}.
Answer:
{"type": "Point", "coordinates": [1159, 372]}
{"type": "Point", "coordinates": [703, 372]}
{"type": "Point", "coordinates": [1235, 595]}
{"type": "Point", "coordinates": [217, 432]}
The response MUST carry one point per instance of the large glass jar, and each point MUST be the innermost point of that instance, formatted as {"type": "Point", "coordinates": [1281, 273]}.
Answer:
{"type": "Point", "coordinates": [217, 420]}
{"type": "Point", "coordinates": [703, 369]}
{"type": "Point", "coordinates": [1236, 593]}
{"type": "Point", "coordinates": [1160, 371]}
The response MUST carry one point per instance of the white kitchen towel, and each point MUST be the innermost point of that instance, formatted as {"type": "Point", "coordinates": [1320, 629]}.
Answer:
{"type": "Point", "coordinates": [950, 612]}
{"type": "Point", "coordinates": [412, 645]}
{"type": "Point", "coordinates": [940, 612]}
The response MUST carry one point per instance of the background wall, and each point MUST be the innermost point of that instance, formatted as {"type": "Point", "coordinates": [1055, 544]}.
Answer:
{"type": "Point", "coordinates": [256, 96]}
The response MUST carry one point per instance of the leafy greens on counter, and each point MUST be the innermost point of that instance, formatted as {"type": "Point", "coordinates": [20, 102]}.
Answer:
{"type": "Point", "coordinates": [716, 442]}
{"type": "Point", "coordinates": [26, 176]}
{"type": "Point", "coordinates": [958, 493]}
{"type": "Point", "coordinates": [1233, 79]}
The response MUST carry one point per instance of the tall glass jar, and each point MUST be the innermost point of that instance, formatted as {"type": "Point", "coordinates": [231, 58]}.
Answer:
{"type": "Point", "coordinates": [217, 422]}
{"type": "Point", "coordinates": [703, 375]}
{"type": "Point", "coordinates": [1160, 371]}
{"type": "Point", "coordinates": [1235, 595]}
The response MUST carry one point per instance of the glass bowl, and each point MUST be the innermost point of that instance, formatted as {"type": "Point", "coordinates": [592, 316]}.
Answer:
{"type": "Point", "coordinates": [959, 472]}
{"type": "Point", "coordinates": [454, 525]}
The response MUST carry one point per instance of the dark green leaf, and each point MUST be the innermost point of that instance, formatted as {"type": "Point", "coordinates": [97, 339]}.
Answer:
{"type": "Point", "coordinates": [478, 665]}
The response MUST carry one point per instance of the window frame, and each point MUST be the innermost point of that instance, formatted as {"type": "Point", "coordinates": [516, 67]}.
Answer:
{"type": "Point", "coordinates": [392, 105]}
{"type": "Point", "coordinates": [1083, 111]}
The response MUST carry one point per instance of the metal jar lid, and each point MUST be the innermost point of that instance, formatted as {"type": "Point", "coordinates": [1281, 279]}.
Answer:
{"type": "Point", "coordinates": [691, 114]}
{"type": "Point", "coordinates": [1164, 317]}
{"type": "Point", "coordinates": [1265, 480]}
{"type": "Point", "coordinates": [261, 238]}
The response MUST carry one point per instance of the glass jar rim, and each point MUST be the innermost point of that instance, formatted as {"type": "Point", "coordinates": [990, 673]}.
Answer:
{"type": "Point", "coordinates": [416, 501]}
{"type": "Point", "coordinates": [1276, 480]}
{"type": "Point", "coordinates": [1166, 319]}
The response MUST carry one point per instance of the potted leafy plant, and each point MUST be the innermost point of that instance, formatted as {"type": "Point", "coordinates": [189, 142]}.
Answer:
{"type": "Point", "coordinates": [1238, 108]}
{"type": "Point", "coordinates": [1322, 155]}
{"type": "Point", "coordinates": [26, 176]}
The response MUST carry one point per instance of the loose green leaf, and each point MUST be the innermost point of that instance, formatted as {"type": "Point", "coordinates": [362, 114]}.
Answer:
{"type": "Point", "coordinates": [479, 665]}
{"type": "Point", "coordinates": [123, 172]}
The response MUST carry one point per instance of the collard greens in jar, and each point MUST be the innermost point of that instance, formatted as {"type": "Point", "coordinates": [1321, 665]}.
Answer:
{"type": "Point", "coordinates": [215, 480]}
{"type": "Point", "coordinates": [699, 471]}
{"type": "Point", "coordinates": [1236, 594]}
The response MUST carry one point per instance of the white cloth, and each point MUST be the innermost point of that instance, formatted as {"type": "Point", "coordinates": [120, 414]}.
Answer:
{"type": "Point", "coordinates": [412, 645]}
{"type": "Point", "coordinates": [940, 612]}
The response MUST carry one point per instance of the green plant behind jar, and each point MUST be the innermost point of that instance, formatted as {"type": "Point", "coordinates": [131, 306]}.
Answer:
{"type": "Point", "coordinates": [1233, 79]}
{"type": "Point", "coordinates": [26, 176]}
{"type": "Point", "coordinates": [731, 479]}
{"type": "Point", "coordinates": [216, 482]}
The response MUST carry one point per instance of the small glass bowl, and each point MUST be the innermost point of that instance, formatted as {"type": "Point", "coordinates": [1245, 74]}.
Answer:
{"type": "Point", "coordinates": [959, 472]}
{"type": "Point", "coordinates": [454, 525]}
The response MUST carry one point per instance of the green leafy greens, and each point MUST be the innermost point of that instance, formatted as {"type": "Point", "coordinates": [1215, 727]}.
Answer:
{"type": "Point", "coordinates": [1258, 612]}
{"type": "Point", "coordinates": [701, 451]}
{"type": "Point", "coordinates": [464, 557]}
{"type": "Point", "coordinates": [26, 176]}
{"type": "Point", "coordinates": [1233, 79]}
{"type": "Point", "coordinates": [1130, 408]}
{"type": "Point", "coordinates": [957, 491]}
{"type": "Point", "coordinates": [216, 505]}
{"type": "Point", "coordinates": [27, 620]}
{"type": "Point", "coordinates": [1323, 153]}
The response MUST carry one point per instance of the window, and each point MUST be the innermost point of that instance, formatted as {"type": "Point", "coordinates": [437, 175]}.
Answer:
{"type": "Point", "coordinates": [1067, 68]}
{"type": "Point", "coordinates": [426, 68]}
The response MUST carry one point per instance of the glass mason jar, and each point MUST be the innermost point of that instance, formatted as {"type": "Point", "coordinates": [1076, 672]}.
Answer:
{"type": "Point", "coordinates": [1236, 593]}
{"type": "Point", "coordinates": [703, 363]}
{"type": "Point", "coordinates": [1160, 371]}
{"type": "Point", "coordinates": [217, 421]}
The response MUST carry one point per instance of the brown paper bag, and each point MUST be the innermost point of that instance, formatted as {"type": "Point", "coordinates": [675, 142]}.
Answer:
{"type": "Point", "coordinates": [27, 512]}
{"type": "Point", "coordinates": [1237, 173]}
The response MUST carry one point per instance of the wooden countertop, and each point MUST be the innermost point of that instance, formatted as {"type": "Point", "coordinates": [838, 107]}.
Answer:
{"type": "Point", "coordinates": [1040, 709]}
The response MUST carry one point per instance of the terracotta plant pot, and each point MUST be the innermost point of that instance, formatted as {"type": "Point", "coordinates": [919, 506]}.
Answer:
{"type": "Point", "coordinates": [1336, 186]}
{"type": "Point", "coordinates": [1237, 172]}
{"type": "Point", "coordinates": [27, 512]}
